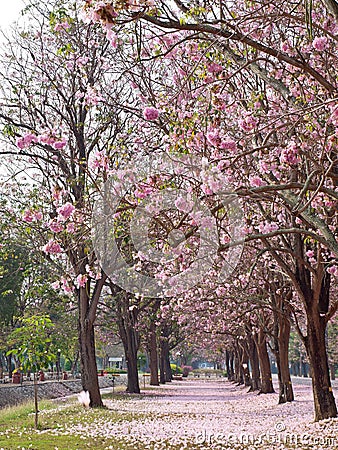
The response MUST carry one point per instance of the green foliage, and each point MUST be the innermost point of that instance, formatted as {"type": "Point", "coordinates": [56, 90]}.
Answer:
{"type": "Point", "coordinates": [13, 261]}
{"type": "Point", "coordinates": [32, 341]}
{"type": "Point", "coordinates": [176, 369]}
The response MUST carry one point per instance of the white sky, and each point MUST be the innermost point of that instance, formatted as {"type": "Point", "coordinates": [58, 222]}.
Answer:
{"type": "Point", "coordinates": [10, 11]}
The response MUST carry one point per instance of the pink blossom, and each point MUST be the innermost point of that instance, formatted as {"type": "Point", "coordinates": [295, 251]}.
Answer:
{"type": "Point", "coordinates": [55, 226]}
{"type": "Point", "coordinates": [65, 286]}
{"type": "Point", "coordinates": [81, 280]}
{"type": "Point", "coordinates": [289, 155]}
{"type": "Point", "coordinates": [213, 137]}
{"type": "Point", "coordinates": [183, 205]}
{"type": "Point", "coordinates": [61, 26]}
{"type": "Point", "coordinates": [310, 253]}
{"type": "Point", "coordinates": [256, 181]}
{"type": "Point", "coordinates": [59, 145]}
{"type": "Point", "coordinates": [100, 160]}
{"type": "Point", "coordinates": [37, 215]}
{"type": "Point", "coordinates": [229, 144]}
{"type": "Point", "coordinates": [52, 247]}
{"type": "Point", "coordinates": [71, 228]}
{"type": "Point", "coordinates": [319, 43]}
{"type": "Point", "coordinates": [112, 38]}
{"type": "Point", "coordinates": [150, 113]}
{"type": "Point", "coordinates": [92, 97]}
{"type": "Point", "coordinates": [285, 47]}
{"type": "Point", "coordinates": [27, 216]}
{"type": "Point", "coordinates": [66, 210]}
{"type": "Point", "coordinates": [214, 68]}
{"type": "Point", "coordinates": [248, 123]}
{"type": "Point", "coordinates": [26, 140]}
{"type": "Point", "coordinates": [333, 270]}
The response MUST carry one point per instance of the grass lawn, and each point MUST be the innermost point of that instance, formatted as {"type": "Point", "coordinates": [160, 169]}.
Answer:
{"type": "Point", "coordinates": [17, 426]}
{"type": "Point", "coordinates": [56, 417]}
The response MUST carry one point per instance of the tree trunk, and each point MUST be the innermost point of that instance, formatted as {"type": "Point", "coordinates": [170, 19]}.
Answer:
{"type": "Point", "coordinates": [130, 344]}
{"type": "Point", "coordinates": [74, 363]}
{"type": "Point", "coordinates": [153, 355]}
{"type": "Point", "coordinates": [167, 367]}
{"type": "Point", "coordinates": [133, 385]}
{"type": "Point", "coordinates": [254, 362]}
{"type": "Point", "coordinates": [264, 363]}
{"type": "Point", "coordinates": [324, 402]}
{"type": "Point", "coordinates": [9, 365]}
{"type": "Point", "coordinates": [127, 319]}
{"type": "Point", "coordinates": [229, 360]}
{"type": "Point", "coordinates": [162, 364]}
{"type": "Point", "coordinates": [88, 362]}
{"type": "Point", "coordinates": [36, 406]}
{"type": "Point", "coordinates": [285, 384]}
{"type": "Point", "coordinates": [245, 366]}
{"type": "Point", "coordinates": [332, 371]}
{"type": "Point", "coordinates": [238, 372]}
{"type": "Point", "coordinates": [281, 337]}
{"type": "Point", "coordinates": [87, 304]}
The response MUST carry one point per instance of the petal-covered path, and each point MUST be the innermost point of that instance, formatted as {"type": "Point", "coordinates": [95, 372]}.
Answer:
{"type": "Point", "coordinates": [217, 415]}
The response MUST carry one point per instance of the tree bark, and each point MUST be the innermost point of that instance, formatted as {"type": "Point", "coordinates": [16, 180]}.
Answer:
{"type": "Point", "coordinates": [324, 402]}
{"type": "Point", "coordinates": [162, 364]}
{"type": "Point", "coordinates": [9, 365]}
{"type": "Point", "coordinates": [88, 362]}
{"type": "Point", "coordinates": [229, 360]}
{"type": "Point", "coordinates": [285, 384]}
{"type": "Point", "coordinates": [87, 314]}
{"type": "Point", "coordinates": [245, 366]}
{"type": "Point", "coordinates": [281, 337]}
{"type": "Point", "coordinates": [264, 363]}
{"type": "Point", "coordinates": [165, 368]}
{"type": "Point", "coordinates": [238, 372]}
{"type": "Point", "coordinates": [254, 362]}
{"type": "Point", "coordinates": [153, 355]}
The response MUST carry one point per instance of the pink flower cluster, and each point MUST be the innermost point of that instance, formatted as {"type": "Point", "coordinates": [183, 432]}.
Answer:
{"type": "Point", "coordinates": [333, 270]}
{"type": "Point", "coordinates": [92, 97]}
{"type": "Point", "coordinates": [248, 123]}
{"type": "Point", "coordinates": [111, 35]}
{"type": "Point", "coordinates": [319, 43]}
{"type": "Point", "coordinates": [55, 226]}
{"type": "Point", "coordinates": [47, 138]}
{"type": "Point", "coordinates": [52, 247]}
{"type": "Point", "coordinates": [267, 227]}
{"type": "Point", "coordinates": [289, 155]}
{"type": "Point", "coordinates": [81, 280]}
{"type": "Point", "coordinates": [66, 210]}
{"type": "Point", "coordinates": [150, 113]}
{"type": "Point", "coordinates": [31, 216]}
{"type": "Point", "coordinates": [214, 68]}
{"type": "Point", "coordinates": [100, 160]}
{"type": "Point", "coordinates": [60, 26]}
{"type": "Point", "coordinates": [182, 204]}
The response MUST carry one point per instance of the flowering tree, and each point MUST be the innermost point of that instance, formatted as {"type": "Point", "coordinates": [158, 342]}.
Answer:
{"type": "Point", "coordinates": [253, 89]}
{"type": "Point", "coordinates": [58, 130]}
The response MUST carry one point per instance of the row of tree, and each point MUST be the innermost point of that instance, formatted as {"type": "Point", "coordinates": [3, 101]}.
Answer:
{"type": "Point", "coordinates": [241, 98]}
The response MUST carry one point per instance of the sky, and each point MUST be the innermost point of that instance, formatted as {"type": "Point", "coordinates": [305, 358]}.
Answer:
{"type": "Point", "coordinates": [10, 11]}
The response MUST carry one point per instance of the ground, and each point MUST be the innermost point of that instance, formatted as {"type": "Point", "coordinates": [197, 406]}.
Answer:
{"type": "Point", "coordinates": [191, 414]}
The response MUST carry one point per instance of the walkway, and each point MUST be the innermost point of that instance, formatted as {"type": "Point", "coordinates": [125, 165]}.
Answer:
{"type": "Point", "coordinates": [209, 414]}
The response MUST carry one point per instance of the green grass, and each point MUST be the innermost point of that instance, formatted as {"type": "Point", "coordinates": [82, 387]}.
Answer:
{"type": "Point", "coordinates": [55, 417]}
